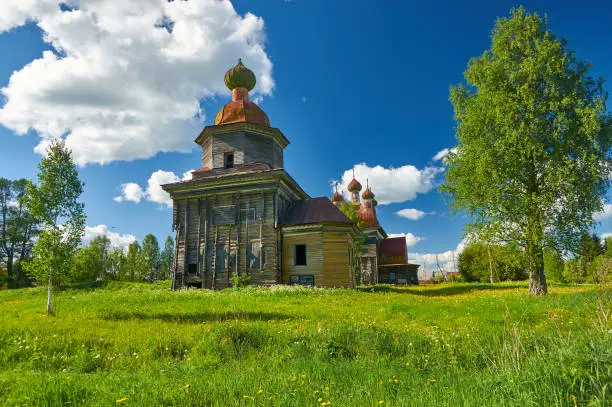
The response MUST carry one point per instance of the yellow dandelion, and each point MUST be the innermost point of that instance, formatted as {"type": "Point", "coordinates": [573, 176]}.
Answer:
{"type": "Point", "coordinates": [246, 396]}
{"type": "Point", "coordinates": [319, 399]}
{"type": "Point", "coordinates": [121, 400]}
{"type": "Point", "coordinates": [381, 402]}
{"type": "Point", "coordinates": [67, 377]}
{"type": "Point", "coordinates": [260, 391]}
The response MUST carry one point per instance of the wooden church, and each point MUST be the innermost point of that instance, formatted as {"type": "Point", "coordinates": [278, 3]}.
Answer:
{"type": "Point", "coordinates": [243, 214]}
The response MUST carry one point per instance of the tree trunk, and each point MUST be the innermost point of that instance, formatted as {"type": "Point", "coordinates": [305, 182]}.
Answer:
{"type": "Point", "coordinates": [537, 279]}
{"type": "Point", "coordinates": [12, 282]}
{"type": "Point", "coordinates": [49, 289]}
{"type": "Point", "coordinates": [490, 264]}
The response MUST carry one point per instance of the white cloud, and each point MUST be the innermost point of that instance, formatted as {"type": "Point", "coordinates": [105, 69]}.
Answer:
{"type": "Point", "coordinates": [440, 154]}
{"type": "Point", "coordinates": [411, 239]}
{"type": "Point", "coordinates": [392, 184]}
{"type": "Point", "coordinates": [412, 214]}
{"type": "Point", "coordinates": [133, 192]}
{"type": "Point", "coordinates": [124, 79]}
{"type": "Point", "coordinates": [605, 214]}
{"type": "Point", "coordinates": [604, 236]}
{"type": "Point", "coordinates": [116, 240]}
{"type": "Point", "coordinates": [447, 260]}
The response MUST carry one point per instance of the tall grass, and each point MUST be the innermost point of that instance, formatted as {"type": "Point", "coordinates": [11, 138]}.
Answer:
{"type": "Point", "coordinates": [447, 345]}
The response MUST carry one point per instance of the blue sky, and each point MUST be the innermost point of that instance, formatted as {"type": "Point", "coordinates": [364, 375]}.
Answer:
{"type": "Point", "coordinates": [347, 83]}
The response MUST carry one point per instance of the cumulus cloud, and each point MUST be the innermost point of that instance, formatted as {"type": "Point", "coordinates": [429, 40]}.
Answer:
{"type": "Point", "coordinates": [412, 214]}
{"type": "Point", "coordinates": [132, 192]}
{"type": "Point", "coordinates": [605, 214]}
{"type": "Point", "coordinates": [411, 239]}
{"type": "Point", "coordinates": [606, 235]}
{"type": "Point", "coordinates": [116, 240]}
{"type": "Point", "coordinates": [447, 260]}
{"type": "Point", "coordinates": [392, 184]}
{"type": "Point", "coordinates": [124, 80]}
{"type": "Point", "coordinates": [440, 154]}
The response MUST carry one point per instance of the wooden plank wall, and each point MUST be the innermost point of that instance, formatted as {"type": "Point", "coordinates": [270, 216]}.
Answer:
{"type": "Point", "coordinates": [201, 224]}
{"type": "Point", "coordinates": [314, 256]}
{"type": "Point", "coordinates": [337, 268]}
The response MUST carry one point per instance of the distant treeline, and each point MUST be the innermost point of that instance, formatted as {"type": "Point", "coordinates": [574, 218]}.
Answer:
{"type": "Point", "coordinates": [19, 230]}
{"type": "Point", "coordinates": [141, 262]}
{"type": "Point", "coordinates": [590, 264]}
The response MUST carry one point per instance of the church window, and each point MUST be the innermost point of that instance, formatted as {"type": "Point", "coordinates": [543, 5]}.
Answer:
{"type": "Point", "coordinates": [302, 280]}
{"type": "Point", "coordinates": [256, 255]}
{"type": "Point", "coordinates": [228, 160]}
{"type": "Point", "coordinates": [224, 215]}
{"type": "Point", "coordinates": [192, 268]}
{"type": "Point", "coordinates": [220, 256]}
{"type": "Point", "coordinates": [300, 254]}
{"type": "Point", "coordinates": [251, 214]}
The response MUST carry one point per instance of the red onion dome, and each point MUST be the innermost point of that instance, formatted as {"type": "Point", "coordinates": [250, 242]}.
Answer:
{"type": "Point", "coordinates": [337, 197]}
{"type": "Point", "coordinates": [368, 194]}
{"type": "Point", "coordinates": [354, 186]}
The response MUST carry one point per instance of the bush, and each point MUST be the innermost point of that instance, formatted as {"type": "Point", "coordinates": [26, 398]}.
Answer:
{"type": "Point", "coordinates": [241, 280]}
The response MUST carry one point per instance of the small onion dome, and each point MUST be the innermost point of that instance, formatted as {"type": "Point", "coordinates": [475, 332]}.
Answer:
{"type": "Point", "coordinates": [240, 77]}
{"type": "Point", "coordinates": [367, 216]}
{"type": "Point", "coordinates": [368, 194]}
{"type": "Point", "coordinates": [354, 185]}
{"type": "Point", "coordinates": [336, 197]}
{"type": "Point", "coordinates": [374, 202]}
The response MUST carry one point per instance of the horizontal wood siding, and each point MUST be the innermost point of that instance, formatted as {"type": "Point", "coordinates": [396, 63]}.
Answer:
{"type": "Point", "coordinates": [314, 256]}
{"type": "Point", "coordinates": [337, 268]}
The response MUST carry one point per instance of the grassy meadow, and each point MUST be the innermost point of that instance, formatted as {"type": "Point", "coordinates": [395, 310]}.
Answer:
{"type": "Point", "coordinates": [138, 344]}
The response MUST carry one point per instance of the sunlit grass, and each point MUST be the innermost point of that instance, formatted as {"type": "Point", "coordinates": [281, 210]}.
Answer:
{"type": "Point", "coordinates": [456, 344]}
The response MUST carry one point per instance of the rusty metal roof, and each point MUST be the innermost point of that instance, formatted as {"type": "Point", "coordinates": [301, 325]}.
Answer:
{"type": "Point", "coordinates": [314, 210]}
{"type": "Point", "coordinates": [393, 246]}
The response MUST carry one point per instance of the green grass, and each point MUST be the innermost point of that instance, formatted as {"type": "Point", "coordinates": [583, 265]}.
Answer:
{"type": "Point", "coordinates": [447, 345]}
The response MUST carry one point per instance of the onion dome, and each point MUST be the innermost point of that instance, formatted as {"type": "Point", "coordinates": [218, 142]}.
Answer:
{"type": "Point", "coordinates": [367, 194]}
{"type": "Point", "coordinates": [240, 80]}
{"type": "Point", "coordinates": [354, 186]}
{"type": "Point", "coordinates": [337, 197]}
{"type": "Point", "coordinates": [367, 216]}
{"type": "Point", "coordinates": [374, 203]}
{"type": "Point", "coordinates": [240, 77]}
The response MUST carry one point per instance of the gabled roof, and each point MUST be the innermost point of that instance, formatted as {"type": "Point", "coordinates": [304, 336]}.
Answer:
{"type": "Point", "coordinates": [314, 210]}
{"type": "Point", "coordinates": [238, 168]}
{"type": "Point", "coordinates": [393, 246]}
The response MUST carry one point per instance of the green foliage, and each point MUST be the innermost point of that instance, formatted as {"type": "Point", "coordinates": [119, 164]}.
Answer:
{"type": "Point", "coordinates": [533, 136]}
{"type": "Point", "coordinates": [507, 262]}
{"type": "Point", "coordinates": [92, 262]}
{"type": "Point", "coordinates": [54, 202]}
{"type": "Point", "coordinates": [437, 345]}
{"type": "Point", "coordinates": [554, 265]}
{"type": "Point", "coordinates": [241, 280]}
{"type": "Point", "coordinates": [167, 258]}
{"type": "Point", "coordinates": [151, 258]}
{"type": "Point", "coordinates": [351, 211]}
{"type": "Point", "coordinates": [134, 267]}
{"type": "Point", "coordinates": [18, 228]}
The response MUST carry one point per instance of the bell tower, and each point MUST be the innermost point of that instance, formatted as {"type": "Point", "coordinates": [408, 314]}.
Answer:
{"type": "Point", "coordinates": [241, 134]}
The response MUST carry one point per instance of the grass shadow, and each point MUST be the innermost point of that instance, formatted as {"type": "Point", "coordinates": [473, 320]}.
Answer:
{"type": "Point", "coordinates": [194, 317]}
{"type": "Point", "coordinates": [440, 290]}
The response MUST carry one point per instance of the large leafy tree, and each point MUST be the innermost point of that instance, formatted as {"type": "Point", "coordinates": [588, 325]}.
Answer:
{"type": "Point", "coordinates": [17, 226]}
{"type": "Point", "coordinates": [167, 258]}
{"type": "Point", "coordinates": [55, 203]}
{"type": "Point", "coordinates": [533, 136]}
{"type": "Point", "coordinates": [150, 257]}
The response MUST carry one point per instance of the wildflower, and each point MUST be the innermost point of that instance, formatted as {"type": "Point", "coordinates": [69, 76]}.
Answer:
{"type": "Point", "coordinates": [381, 401]}
{"type": "Point", "coordinates": [319, 399]}
{"type": "Point", "coordinates": [67, 377]}
{"type": "Point", "coordinates": [260, 391]}
{"type": "Point", "coordinates": [121, 400]}
{"type": "Point", "coordinates": [246, 396]}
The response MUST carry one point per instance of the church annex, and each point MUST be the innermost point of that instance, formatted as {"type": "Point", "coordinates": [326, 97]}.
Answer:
{"type": "Point", "coordinates": [243, 214]}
